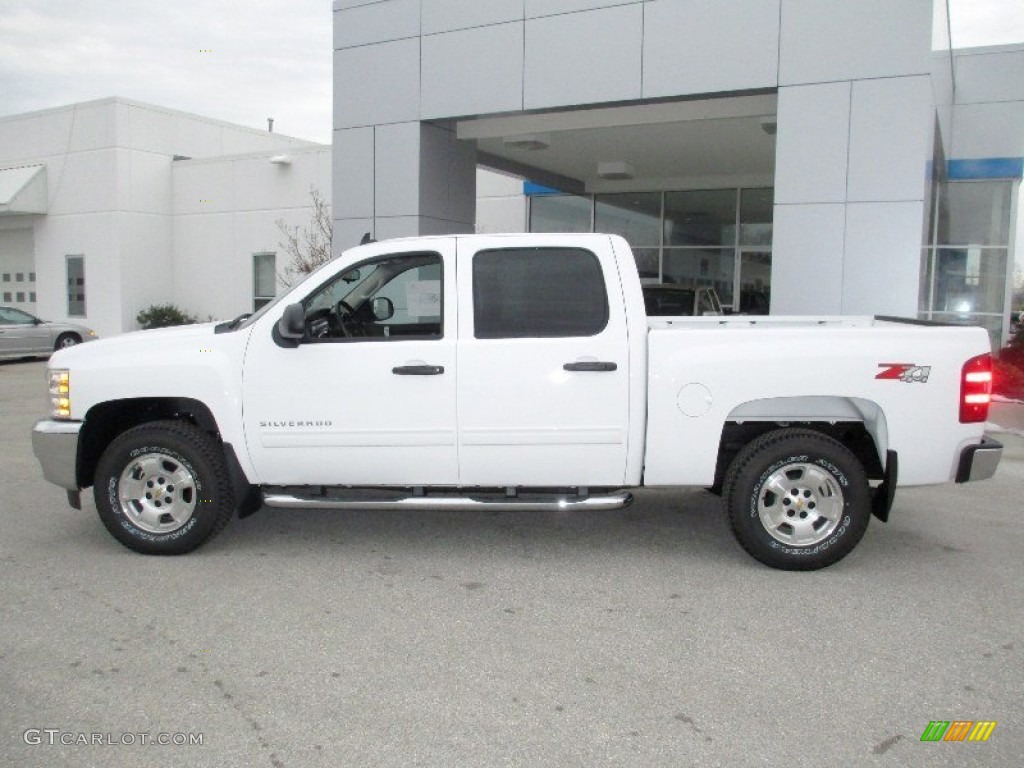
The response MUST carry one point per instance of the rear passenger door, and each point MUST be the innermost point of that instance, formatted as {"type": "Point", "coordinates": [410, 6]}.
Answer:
{"type": "Point", "coordinates": [543, 379]}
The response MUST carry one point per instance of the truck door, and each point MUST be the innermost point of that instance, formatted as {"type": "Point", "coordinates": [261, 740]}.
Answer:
{"type": "Point", "coordinates": [543, 379]}
{"type": "Point", "coordinates": [368, 396]}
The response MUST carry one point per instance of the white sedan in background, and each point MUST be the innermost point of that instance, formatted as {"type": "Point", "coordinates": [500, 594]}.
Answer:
{"type": "Point", "coordinates": [23, 335]}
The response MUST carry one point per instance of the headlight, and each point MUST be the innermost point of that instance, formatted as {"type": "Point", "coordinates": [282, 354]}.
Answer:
{"type": "Point", "coordinates": [92, 333]}
{"type": "Point", "coordinates": [59, 383]}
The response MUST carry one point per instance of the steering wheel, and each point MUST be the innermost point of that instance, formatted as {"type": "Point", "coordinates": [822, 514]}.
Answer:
{"type": "Point", "coordinates": [342, 310]}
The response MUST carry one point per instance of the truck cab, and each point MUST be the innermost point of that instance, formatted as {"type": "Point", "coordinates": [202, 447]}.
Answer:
{"type": "Point", "coordinates": [450, 362]}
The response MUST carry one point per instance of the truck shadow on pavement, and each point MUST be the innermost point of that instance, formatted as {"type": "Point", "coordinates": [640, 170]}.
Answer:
{"type": "Point", "coordinates": [687, 523]}
{"type": "Point", "coordinates": [680, 523]}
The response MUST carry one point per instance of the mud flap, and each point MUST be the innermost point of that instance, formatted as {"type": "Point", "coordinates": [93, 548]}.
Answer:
{"type": "Point", "coordinates": [883, 495]}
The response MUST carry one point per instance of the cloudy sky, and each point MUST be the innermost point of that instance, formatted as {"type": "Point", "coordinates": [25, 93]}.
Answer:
{"type": "Point", "coordinates": [236, 60]}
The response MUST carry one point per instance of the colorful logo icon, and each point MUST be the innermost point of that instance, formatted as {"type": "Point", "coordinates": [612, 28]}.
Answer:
{"type": "Point", "coordinates": [958, 730]}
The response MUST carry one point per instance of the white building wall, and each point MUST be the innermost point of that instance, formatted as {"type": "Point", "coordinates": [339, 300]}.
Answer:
{"type": "Point", "coordinates": [500, 203]}
{"type": "Point", "coordinates": [109, 198]}
{"type": "Point", "coordinates": [225, 211]}
{"type": "Point", "coordinates": [855, 123]}
{"type": "Point", "coordinates": [741, 37]}
{"type": "Point", "coordinates": [988, 111]}
{"type": "Point", "coordinates": [585, 57]}
{"type": "Point", "coordinates": [77, 144]}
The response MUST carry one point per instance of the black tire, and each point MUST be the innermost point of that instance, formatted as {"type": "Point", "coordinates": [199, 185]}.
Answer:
{"type": "Point", "coordinates": [66, 340]}
{"type": "Point", "coordinates": [797, 499]}
{"type": "Point", "coordinates": [163, 488]}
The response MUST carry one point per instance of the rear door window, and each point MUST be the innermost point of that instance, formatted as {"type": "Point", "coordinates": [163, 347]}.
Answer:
{"type": "Point", "coordinates": [538, 293]}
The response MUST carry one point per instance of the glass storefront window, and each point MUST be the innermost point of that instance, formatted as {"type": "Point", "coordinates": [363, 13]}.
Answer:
{"type": "Point", "coordinates": [965, 264]}
{"type": "Point", "coordinates": [648, 264]}
{"type": "Point", "coordinates": [701, 217]}
{"type": "Point", "coordinates": [634, 215]}
{"type": "Point", "coordinates": [699, 267]}
{"type": "Point", "coordinates": [974, 213]}
{"type": "Point", "coordinates": [756, 211]}
{"type": "Point", "coordinates": [925, 290]}
{"type": "Point", "coordinates": [718, 238]}
{"type": "Point", "coordinates": [970, 280]}
{"type": "Point", "coordinates": [559, 213]}
{"type": "Point", "coordinates": [755, 282]}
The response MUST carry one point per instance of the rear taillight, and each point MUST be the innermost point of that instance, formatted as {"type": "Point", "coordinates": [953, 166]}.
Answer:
{"type": "Point", "coordinates": [975, 389]}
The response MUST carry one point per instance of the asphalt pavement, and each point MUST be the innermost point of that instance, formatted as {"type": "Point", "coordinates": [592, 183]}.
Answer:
{"type": "Point", "coordinates": [643, 637]}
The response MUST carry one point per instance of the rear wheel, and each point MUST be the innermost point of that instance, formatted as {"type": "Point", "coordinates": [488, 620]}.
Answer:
{"type": "Point", "coordinates": [66, 340]}
{"type": "Point", "coordinates": [163, 489]}
{"type": "Point", "coordinates": [797, 499]}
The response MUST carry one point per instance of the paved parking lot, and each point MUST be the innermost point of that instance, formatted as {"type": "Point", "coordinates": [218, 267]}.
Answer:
{"type": "Point", "coordinates": [637, 638]}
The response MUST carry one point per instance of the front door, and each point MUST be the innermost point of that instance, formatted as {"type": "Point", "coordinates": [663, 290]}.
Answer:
{"type": "Point", "coordinates": [368, 397]}
{"type": "Point", "coordinates": [543, 380]}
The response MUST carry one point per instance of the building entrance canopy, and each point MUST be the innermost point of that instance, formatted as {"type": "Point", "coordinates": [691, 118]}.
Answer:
{"type": "Point", "coordinates": [23, 190]}
{"type": "Point", "coordinates": [689, 144]}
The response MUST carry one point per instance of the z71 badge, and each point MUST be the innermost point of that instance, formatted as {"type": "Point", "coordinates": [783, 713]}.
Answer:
{"type": "Point", "coordinates": [905, 372]}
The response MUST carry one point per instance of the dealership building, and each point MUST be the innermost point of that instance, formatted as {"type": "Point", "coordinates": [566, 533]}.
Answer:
{"type": "Point", "coordinates": [811, 156]}
{"type": "Point", "coordinates": [111, 206]}
{"type": "Point", "coordinates": [800, 156]}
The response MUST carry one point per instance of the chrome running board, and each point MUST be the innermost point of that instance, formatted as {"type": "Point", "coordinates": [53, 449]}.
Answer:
{"type": "Point", "coordinates": [567, 502]}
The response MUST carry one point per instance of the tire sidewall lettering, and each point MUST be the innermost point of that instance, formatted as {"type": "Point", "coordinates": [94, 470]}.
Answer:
{"type": "Point", "coordinates": [817, 548]}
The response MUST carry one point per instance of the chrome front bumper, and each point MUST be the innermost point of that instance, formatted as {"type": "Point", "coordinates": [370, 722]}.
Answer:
{"type": "Point", "coordinates": [55, 444]}
{"type": "Point", "coordinates": [979, 462]}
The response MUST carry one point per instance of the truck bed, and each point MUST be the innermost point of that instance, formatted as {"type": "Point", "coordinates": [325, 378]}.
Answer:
{"type": "Point", "coordinates": [901, 379]}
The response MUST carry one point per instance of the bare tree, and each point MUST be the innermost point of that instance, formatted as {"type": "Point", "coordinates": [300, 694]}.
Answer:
{"type": "Point", "coordinates": [310, 246]}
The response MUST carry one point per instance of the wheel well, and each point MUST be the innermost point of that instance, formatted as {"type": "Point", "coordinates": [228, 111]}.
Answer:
{"type": "Point", "coordinates": [105, 421]}
{"type": "Point", "coordinates": [852, 434]}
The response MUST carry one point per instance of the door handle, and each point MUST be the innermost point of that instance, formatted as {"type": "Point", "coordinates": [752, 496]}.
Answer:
{"type": "Point", "coordinates": [418, 370]}
{"type": "Point", "coordinates": [590, 366]}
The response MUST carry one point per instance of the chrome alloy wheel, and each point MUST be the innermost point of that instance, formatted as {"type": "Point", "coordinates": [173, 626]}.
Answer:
{"type": "Point", "coordinates": [157, 493]}
{"type": "Point", "coordinates": [800, 504]}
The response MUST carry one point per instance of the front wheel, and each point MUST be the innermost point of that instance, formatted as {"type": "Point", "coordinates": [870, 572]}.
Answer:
{"type": "Point", "coordinates": [797, 499]}
{"type": "Point", "coordinates": [163, 489]}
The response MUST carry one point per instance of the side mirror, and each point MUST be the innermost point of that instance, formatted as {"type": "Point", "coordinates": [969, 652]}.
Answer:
{"type": "Point", "coordinates": [383, 308]}
{"type": "Point", "coordinates": [292, 324]}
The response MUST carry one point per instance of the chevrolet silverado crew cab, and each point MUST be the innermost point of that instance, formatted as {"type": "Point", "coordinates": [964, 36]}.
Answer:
{"type": "Point", "coordinates": [513, 372]}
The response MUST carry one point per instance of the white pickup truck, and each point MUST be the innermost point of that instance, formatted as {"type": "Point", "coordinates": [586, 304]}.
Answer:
{"type": "Point", "coordinates": [513, 372]}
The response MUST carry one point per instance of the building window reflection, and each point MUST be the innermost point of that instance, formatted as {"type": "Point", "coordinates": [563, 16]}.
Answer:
{"type": "Point", "coordinates": [720, 238]}
{"type": "Point", "coordinates": [964, 263]}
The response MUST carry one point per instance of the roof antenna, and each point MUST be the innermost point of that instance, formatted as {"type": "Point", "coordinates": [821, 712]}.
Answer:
{"type": "Point", "coordinates": [367, 239]}
{"type": "Point", "coordinates": [270, 125]}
